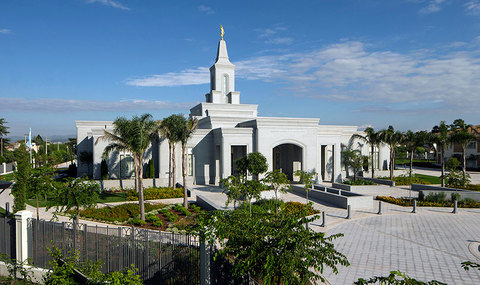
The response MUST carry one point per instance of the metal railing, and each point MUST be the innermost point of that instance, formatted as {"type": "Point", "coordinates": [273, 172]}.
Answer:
{"type": "Point", "coordinates": [161, 257]}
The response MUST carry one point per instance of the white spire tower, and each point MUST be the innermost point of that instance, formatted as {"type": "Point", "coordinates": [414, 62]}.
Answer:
{"type": "Point", "coordinates": [222, 78]}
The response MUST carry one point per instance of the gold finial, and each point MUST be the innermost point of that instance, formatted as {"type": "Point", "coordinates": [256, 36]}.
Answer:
{"type": "Point", "coordinates": [221, 32]}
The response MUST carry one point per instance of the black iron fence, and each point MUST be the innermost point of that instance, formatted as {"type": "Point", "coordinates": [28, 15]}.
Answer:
{"type": "Point", "coordinates": [7, 237]}
{"type": "Point", "coordinates": [161, 257]}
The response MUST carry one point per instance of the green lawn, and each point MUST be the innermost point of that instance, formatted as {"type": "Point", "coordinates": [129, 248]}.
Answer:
{"type": "Point", "coordinates": [431, 179]}
{"type": "Point", "coordinates": [105, 197]}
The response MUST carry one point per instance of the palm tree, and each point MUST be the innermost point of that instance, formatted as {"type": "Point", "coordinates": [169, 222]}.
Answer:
{"type": "Point", "coordinates": [392, 138]}
{"type": "Point", "coordinates": [171, 128]}
{"type": "Point", "coordinates": [186, 134]}
{"type": "Point", "coordinates": [133, 136]}
{"type": "Point", "coordinates": [372, 138]}
{"type": "Point", "coordinates": [442, 140]}
{"type": "Point", "coordinates": [461, 135]}
{"type": "Point", "coordinates": [412, 141]}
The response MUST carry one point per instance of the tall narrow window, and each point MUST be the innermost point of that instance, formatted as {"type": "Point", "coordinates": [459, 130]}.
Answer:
{"type": "Point", "coordinates": [225, 84]}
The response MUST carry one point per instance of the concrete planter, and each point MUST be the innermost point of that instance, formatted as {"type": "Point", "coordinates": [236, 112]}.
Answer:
{"type": "Point", "coordinates": [356, 188]}
{"type": "Point", "coordinates": [336, 197]}
{"type": "Point", "coordinates": [427, 189]}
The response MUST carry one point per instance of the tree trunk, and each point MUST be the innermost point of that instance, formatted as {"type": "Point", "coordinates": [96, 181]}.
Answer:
{"type": "Point", "coordinates": [184, 174]}
{"type": "Point", "coordinates": [354, 175]}
{"type": "Point", "coordinates": [464, 162]}
{"type": "Point", "coordinates": [139, 186]}
{"type": "Point", "coordinates": [442, 161]}
{"type": "Point", "coordinates": [411, 164]}
{"type": "Point", "coordinates": [169, 164]}
{"type": "Point", "coordinates": [373, 163]}
{"type": "Point", "coordinates": [391, 162]}
{"type": "Point", "coordinates": [173, 166]}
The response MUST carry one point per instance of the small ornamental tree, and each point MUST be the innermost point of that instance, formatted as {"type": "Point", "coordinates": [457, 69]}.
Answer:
{"type": "Point", "coordinates": [307, 179]}
{"type": "Point", "coordinates": [279, 182]}
{"type": "Point", "coordinates": [41, 182]}
{"type": "Point", "coordinates": [22, 179]}
{"type": "Point", "coordinates": [74, 194]}
{"type": "Point", "coordinates": [237, 189]}
{"type": "Point", "coordinates": [355, 160]}
{"type": "Point", "coordinates": [273, 249]}
{"type": "Point", "coordinates": [104, 169]}
{"type": "Point", "coordinates": [257, 164]}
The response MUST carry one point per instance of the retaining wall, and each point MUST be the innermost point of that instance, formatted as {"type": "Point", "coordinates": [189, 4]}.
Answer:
{"type": "Point", "coordinates": [380, 181]}
{"type": "Point", "coordinates": [336, 197]}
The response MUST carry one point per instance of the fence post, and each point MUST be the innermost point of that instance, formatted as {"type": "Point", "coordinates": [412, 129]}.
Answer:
{"type": "Point", "coordinates": [414, 206]}
{"type": "Point", "coordinates": [204, 261]}
{"type": "Point", "coordinates": [379, 208]}
{"type": "Point", "coordinates": [455, 205]}
{"type": "Point", "coordinates": [21, 232]}
{"type": "Point", "coordinates": [349, 214]}
{"type": "Point", "coordinates": [7, 209]}
{"type": "Point", "coordinates": [324, 220]}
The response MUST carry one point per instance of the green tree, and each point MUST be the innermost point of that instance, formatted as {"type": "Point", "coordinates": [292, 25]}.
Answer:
{"type": "Point", "coordinates": [150, 169]}
{"type": "Point", "coordinates": [307, 179]}
{"type": "Point", "coordinates": [373, 139]}
{"type": "Point", "coordinates": [279, 182]}
{"type": "Point", "coordinates": [441, 139]}
{"type": "Point", "coordinates": [171, 128]}
{"type": "Point", "coordinates": [273, 249]}
{"type": "Point", "coordinates": [41, 182]}
{"type": "Point", "coordinates": [186, 133]}
{"type": "Point", "coordinates": [456, 178]}
{"type": "Point", "coordinates": [76, 193]}
{"type": "Point", "coordinates": [257, 164]}
{"type": "Point", "coordinates": [133, 136]}
{"type": "Point", "coordinates": [104, 169]}
{"type": "Point", "coordinates": [392, 138]}
{"type": "Point", "coordinates": [461, 135]}
{"type": "Point", "coordinates": [3, 132]}
{"type": "Point", "coordinates": [353, 159]}
{"type": "Point", "coordinates": [238, 188]}
{"type": "Point", "coordinates": [22, 179]}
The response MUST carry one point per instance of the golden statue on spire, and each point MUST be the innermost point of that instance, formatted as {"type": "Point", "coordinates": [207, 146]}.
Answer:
{"type": "Point", "coordinates": [221, 32]}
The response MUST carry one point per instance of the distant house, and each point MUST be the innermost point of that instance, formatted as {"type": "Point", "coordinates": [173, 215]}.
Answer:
{"type": "Point", "coordinates": [472, 151]}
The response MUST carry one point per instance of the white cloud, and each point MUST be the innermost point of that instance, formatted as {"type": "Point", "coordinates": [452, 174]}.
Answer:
{"type": "Point", "coordinates": [473, 7]}
{"type": "Point", "coordinates": [205, 9]}
{"type": "Point", "coordinates": [270, 35]}
{"type": "Point", "coordinates": [65, 105]}
{"type": "Point", "coordinates": [5, 31]}
{"type": "Point", "coordinates": [279, 41]}
{"type": "Point", "coordinates": [350, 72]}
{"type": "Point", "coordinates": [432, 7]}
{"type": "Point", "coordinates": [111, 3]}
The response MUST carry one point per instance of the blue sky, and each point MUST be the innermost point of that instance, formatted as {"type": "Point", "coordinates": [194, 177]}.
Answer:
{"type": "Point", "coordinates": [409, 63]}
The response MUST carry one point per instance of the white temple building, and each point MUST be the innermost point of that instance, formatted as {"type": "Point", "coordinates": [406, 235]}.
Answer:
{"type": "Point", "coordinates": [228, 130]}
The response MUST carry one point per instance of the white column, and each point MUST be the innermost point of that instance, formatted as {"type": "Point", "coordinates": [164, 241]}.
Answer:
{"type": "Point", "coordinates": [337, 163]}
{"type": "Point", "coordinates": [21, 228]}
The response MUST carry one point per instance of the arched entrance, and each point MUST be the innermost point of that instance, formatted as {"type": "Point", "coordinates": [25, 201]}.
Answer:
{"type": "Point", "coordinates": [288, 158]}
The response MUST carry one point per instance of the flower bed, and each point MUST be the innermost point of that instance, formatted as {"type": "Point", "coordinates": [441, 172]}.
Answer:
{"type": "Point", "coordinates": [405, 202]}
{"type": "Point", "coordinates": [156, 193]}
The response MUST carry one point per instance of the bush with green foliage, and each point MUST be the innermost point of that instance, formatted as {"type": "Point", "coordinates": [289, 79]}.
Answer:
{"type": "Point", "coordinates": [436, 197]}
{"type": "Point", "coordinates": [455, 197]}
{"type": "Point", "coordinates": [358, 182]}
{"type": "Point", "coordinates": [396, 278]}
{"type": "Point", "coordinates": [156, 193]}
{"type": "Point", "coordinates": [150, 169]}
{"type": "Point", "coordinates": [182, 209]}
{"type": "Point", "coordinates": [120, 213]}
{"type": "Point", "coordinates": [136, 222]}
{"type": "Point", "coordinates": [465, 203]}
{"type": "Point", "coordinates": [171, 216]}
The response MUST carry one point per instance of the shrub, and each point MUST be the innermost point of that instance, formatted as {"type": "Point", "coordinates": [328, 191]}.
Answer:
{"type": "Point", "coordinates": [182, 209]}
{"type": "Point", "coordinates": [465, 203]}
{"type": "Point", "coordinates": [195, 208]}
{"type": "Point", "coordinates": [156, 193]}
{"type": "Point", "coordinates": [152, 218]}
{"type": "Point", "coordinates": [171, 216]}
{"type": "Point", "coordinates": [158, 224]}
{"type": "Point", "coordinates": [359, 182]}
{"type": "Point", "coordinates": [298, 209]}
{"type": "Point", "coordinates": [421, 196]}
{"type": "Point", "coordinates": [436, 197]}
{"type": "Point", "coordinates": [455, 197]}
{"type": "Point", "coordinates": [136, 222]}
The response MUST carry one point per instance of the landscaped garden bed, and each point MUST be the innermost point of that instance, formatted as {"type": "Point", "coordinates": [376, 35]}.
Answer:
{"type": "Point", "coordinates": [403, 180]}
{"type": "Point", "coordinates": [173, 217]}
{"type": "Point", "coordinates": [358, 182]}
{"type": "Point", "coordinates": [465, 203]}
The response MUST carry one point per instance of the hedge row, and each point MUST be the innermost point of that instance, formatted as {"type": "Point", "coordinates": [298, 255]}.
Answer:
{"type": "Point", "coordinates": [405, 202]}
{"type": "Point", "coordinates": [156, 193]}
